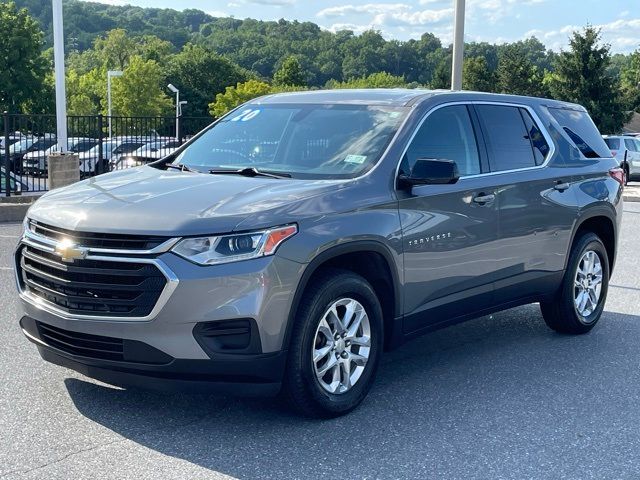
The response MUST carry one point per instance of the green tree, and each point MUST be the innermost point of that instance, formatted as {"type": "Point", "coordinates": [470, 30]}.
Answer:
{"type": "Point", "coordinates": [630, 78]}
{"type": "Point", "coordinates": [518, 75]}
{"type": "Point", "coordinates": [375, 80]}
{"type": "Point", "coordinates": [442, 74]}
{"type": "Point", "coordinates": [141, 90]}
{"type": "Point", "coordinates": [115, 49]}
{"type": "Point", "coordinates": [201, 74]}
{"type": "Point", "coordinates": [21, 63]}
{"type": "Point", "coordinates": [581, 77]}
{"type": "Point", "coordinates": [290, 73]}
{"type": "Point", "coordinates": [477, 76]}
{"type": "Point", "coordinates": [234, 96]}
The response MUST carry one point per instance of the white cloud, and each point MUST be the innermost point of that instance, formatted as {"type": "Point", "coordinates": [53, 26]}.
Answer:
{"type": "Point", "coordinates": [367, 9]}
{"type": "Point", "coordinates": [217, 13]}
{"type": "Point", "coordinates": [423, 17]}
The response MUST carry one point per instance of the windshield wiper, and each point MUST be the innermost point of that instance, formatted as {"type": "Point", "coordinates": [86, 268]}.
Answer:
{"type": "Point", "coordinates": [250, 172]}
{"type": "Point", "coordinates": [179, 166]}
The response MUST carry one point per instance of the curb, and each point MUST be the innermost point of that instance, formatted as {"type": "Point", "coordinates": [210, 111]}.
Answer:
{"type": "Point", "coordinates": [13, 212]}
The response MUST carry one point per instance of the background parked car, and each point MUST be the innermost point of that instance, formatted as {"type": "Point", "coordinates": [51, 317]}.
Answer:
{"type": "Point", "coordinates": [35, 162]}
{"type": "Point", "coordinates": [17, 187]}
{"type": "Point", "coordinates": [90, 162]}
{"type": "Point", "coordinates": [25, 145]}
{"type": "Point", "coordinates": [148, 153]}
{"type": "Point", "coordinates": [126, 147]}
{"type": "Point", "coordinates": [625, 149]}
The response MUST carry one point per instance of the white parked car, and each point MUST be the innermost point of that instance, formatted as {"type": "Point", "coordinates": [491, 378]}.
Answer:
{"type": "Point", "coordinates": [148, 153]}
{"type": "Point", "coordinates": [90, 163]}
{"type": "Point", "coordinates": [625, 149]}
{"type": "Point", "coordinates": [36, 162]}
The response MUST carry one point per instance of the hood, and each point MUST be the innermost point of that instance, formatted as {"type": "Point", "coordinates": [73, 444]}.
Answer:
{"type": "Point", "coordinates": [146, 200]}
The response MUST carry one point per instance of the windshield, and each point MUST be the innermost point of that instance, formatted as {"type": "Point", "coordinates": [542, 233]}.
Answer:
{"type": "Point", "coordinates": [305, 141]}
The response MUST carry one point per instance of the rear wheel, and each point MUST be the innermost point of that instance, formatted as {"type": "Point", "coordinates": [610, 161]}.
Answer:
{"type": "Point", "coordinates": [335, 346]}
{"type": "Point", "coordinates": [580, 301]}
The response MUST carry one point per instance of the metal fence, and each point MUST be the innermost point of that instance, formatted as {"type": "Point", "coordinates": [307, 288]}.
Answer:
{"type": "Point", "coordinates": [103, 144]}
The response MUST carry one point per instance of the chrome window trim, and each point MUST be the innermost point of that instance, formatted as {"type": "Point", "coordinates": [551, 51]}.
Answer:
{"type": "Point", "coordinates": [163, 247]}
{"type": "Point", "coordinates": [38, 302]}
{"type": "Point", "coordinates": [532, 112]}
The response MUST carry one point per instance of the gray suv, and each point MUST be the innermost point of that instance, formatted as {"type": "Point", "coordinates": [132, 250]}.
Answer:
{"type": "Point", "coordinates": [285, 247]}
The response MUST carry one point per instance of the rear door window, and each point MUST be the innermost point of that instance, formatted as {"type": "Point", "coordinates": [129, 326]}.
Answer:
{"type": "Point", "coordinates": [508, 140]}
{"type": "Point", "coordinates": [579, 127]}
{"type": "Point", "coordinates": [613, 143]}
{"type": "Point", "coordinates": [447, 133]}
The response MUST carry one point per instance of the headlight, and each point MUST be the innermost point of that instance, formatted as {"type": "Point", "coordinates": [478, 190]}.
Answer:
{"type": "Point", "coordinates": [235, 247]}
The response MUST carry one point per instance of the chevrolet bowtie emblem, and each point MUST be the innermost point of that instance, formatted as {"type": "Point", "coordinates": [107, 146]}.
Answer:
{"type": "Point", "coordinates": [69, 252]}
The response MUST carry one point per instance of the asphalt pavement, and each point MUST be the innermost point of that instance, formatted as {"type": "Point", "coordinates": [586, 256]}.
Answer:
{"type": "Point", "coordinates": [497, 397]}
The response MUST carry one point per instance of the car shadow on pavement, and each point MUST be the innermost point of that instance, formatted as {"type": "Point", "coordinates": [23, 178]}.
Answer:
{"type": "Point", "coordinates": [486, 398]}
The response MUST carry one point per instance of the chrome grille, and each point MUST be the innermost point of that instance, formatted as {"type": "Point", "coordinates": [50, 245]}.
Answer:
{"type": "Point", "coordinates": [97, 240]}
{"type": "Point", "coordinates": [88, 286]}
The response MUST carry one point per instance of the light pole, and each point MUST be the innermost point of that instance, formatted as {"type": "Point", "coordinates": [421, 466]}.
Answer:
{"type": "Point", "coordinates": [177, 92]}
{"type": "Point", "coordinates": [458, 47]}
{"type": "Point", "coordinates": [58, 57]}
{"type": "Point", "coordinates": [110, 73]}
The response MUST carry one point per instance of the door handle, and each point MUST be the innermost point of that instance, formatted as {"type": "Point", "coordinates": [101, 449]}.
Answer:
{"type": "Point", "coordinates": [561, 186]}
{"type": "Point", "coordinates": [483, 199]}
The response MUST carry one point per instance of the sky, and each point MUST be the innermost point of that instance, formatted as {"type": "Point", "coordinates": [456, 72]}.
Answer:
{"type": "Point", "coordinates": [494, 21]}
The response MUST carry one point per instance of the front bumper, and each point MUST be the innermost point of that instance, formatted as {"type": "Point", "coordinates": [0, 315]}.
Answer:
{"type": "Point", "coordinates": [252, 296]}
{"type": "Point", "coordinates": [254, 375]}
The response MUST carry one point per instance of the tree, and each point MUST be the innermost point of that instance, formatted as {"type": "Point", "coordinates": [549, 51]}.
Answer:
{"type": "Point", "coordinates": [141, 90]}
{"type": "Point", "coordinates": [234, 96]}
{"type": "Point", "coordinates": [630, 78]}
{"type": "Point", "coordinates": [375, 80]}
{"type": "Point", "coordinates": [477, 76]}
{"type": "Point", "coordinates": [243, 92]}
{"type": "Point", "coordinates": [290, 73]}
{"type": "Point", "coordinates": [518, 75]}
{"type": "Point", "coordinates": [21, 63]}
{"type": "Point", "coordinates": [115, 49]}
{"type": "Point", "coordinates": [201, 74]}
{"type": "Point", "coordinates": [442, 74]}
{"type": "Point", "coordinates": [581, 77]}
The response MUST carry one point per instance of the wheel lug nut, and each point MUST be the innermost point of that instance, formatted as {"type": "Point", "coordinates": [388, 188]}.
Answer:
{"type": "Point", "coordinates": [344, 355]}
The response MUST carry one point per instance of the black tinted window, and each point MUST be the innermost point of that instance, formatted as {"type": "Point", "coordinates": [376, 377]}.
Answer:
{"type": "Point", "coordinates": [536, 138]}
{"type": "Point", "coordinates": [613, 143]}
{"type": "Point", "coordinates": [508, 143]}
{"type": "Point", "coordinates": [581, 130]}
{"type": "Point", "coordinates": [448, 134]}
{"type": "Point", "coordinates": [630, 145]}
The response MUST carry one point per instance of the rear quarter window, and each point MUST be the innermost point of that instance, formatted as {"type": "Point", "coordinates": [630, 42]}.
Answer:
{"type": "Point", "coordinates": [579, 127]}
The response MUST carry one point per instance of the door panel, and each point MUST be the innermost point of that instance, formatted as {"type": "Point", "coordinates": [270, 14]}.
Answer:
{"type": "Point", "coordinates": [536, 213]}
{"type": "Point", "coordinates": [449, 231]}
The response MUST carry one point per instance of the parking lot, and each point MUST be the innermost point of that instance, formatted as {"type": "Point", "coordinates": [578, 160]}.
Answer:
{"type": "Point", "coordinates": [497, 397]}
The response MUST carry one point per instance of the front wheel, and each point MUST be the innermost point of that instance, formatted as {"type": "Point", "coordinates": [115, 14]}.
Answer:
{"type": "Point", "coordinates": [335, 346]}
{"type": "Point", "coordinates": [580, 301]}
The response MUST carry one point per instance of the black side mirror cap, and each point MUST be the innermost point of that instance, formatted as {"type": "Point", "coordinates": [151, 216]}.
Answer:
{"type": "Point", "coordinates": [431, 171]}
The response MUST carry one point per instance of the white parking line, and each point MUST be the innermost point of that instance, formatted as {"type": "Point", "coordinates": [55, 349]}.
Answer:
{"type": "Point", "coordinates": [6, 268]}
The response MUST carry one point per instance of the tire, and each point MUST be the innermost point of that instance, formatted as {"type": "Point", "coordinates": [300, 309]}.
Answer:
{"type": "Point", "coordinates": [307, 392]}
{"type": "Point", "coordinates": [563, 314]}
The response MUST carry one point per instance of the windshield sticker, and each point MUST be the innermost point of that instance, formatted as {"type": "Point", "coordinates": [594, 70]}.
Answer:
{"type": "Point", "coordinates": [359, 159]}
{"type": "Point", "coordinates": [246, 115]}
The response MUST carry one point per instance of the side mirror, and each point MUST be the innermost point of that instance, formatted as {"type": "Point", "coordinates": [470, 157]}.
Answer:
{"type": "Point", "coordinates": [431, 171]}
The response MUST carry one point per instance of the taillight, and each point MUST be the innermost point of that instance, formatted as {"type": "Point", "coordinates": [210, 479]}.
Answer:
{"type": "Point", "coordinates": [617, 174]}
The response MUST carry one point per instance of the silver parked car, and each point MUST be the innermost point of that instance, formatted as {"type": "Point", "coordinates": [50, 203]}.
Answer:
{"type": "Point", "coordinates": [625, 149]}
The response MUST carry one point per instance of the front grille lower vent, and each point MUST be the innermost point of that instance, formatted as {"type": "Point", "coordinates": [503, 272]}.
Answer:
{"type": "Point", "coordinates": [82, 344]}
